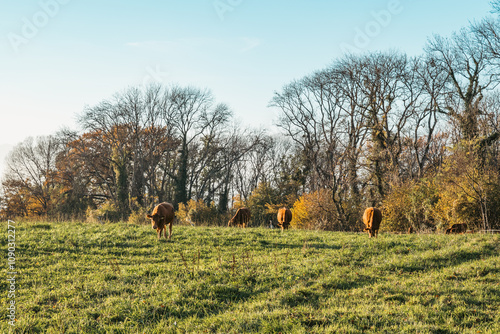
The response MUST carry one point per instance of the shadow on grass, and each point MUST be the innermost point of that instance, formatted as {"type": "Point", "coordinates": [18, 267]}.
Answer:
{"type": "Point", "coordinates": [298, 297]}
{"type": "Point", "coordinates": [42, 226]}
{"type": "Point", "coordinates": [438, 261]}
{"type": "Point", "coordinates": [304, 245]}
{"type": "Point", "coordinates": [349, 282]}
{"type": "Point", "coordinates": [198, 301]}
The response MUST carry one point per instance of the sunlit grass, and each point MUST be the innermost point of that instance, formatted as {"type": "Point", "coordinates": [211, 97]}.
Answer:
{"type": "Point", "coordinates": [90, 278]}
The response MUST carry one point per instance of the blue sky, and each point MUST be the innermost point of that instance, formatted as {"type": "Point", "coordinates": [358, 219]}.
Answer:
{"type": "Point", "coordinates": [59, 55]}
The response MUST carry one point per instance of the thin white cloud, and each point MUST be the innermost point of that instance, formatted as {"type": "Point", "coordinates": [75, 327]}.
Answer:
{"type": "Point", "coordinates": [250, 43]}
{"type": "Point", "coordinates": [134, 44]}
{"type": "Point", "coordinates": [183, 43]}
{"type": "Point", "coordinates": [150, 44]}
{"type": "Point", "coordinates": [241, 45]}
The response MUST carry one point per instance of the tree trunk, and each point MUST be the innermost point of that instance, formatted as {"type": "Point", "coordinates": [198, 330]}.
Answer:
{"type": "Point", "coordinates": [182, 176]}
{"type": "Point", "coordinates": [119, 161]}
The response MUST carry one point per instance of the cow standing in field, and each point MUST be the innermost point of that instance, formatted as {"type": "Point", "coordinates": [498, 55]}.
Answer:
{"type": "Point", "coordinates": [372, 218]}
{"type": "Point", "coordinates": [241, 218]}
{"type": "Point", "coordinates": [162, 215]}
{"type": "Point", "coordinates": [284, 218]}
{"type": "Point", "coordinates": [457, 228]}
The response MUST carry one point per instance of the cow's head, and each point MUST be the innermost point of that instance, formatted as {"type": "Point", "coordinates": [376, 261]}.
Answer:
{"type": "Point", "coordinates": [156, 220]}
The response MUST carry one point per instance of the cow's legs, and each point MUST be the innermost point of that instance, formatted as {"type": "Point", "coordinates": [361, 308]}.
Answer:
{"type": "Point", "coordinates": [158, 231]}
{"type": "Point", "coordinates": [169, 231]}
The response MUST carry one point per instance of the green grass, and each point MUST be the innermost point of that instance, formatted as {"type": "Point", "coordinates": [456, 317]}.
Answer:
{"type": "Point", "coordinates": [117, 278]}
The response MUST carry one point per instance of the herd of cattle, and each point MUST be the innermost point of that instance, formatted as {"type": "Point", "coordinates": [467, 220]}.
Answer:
{"type": "Point", "coordinates": [163, 215]}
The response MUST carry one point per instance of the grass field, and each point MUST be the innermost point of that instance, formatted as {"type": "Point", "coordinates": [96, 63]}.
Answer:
{"type": "Point", "coordinates": [117, 278]}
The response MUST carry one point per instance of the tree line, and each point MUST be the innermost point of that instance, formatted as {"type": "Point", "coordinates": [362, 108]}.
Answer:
{"type": "Point", "coordinates": [416, 136]}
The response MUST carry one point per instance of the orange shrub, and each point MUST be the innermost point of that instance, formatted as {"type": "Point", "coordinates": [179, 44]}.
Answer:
{"type": "Point", "coordinates": [315, 210]}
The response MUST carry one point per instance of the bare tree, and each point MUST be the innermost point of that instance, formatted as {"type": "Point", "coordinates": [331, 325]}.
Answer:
{"type": "Point", "coordinates": [312, 115]}
{"type": "Point", "coordinates": [31, 169]}
{"type": "Point", "coordinates": [422, 134]}
{"type": "Point", "coordinates": [193, 116]}
{"type": "Point", "coordinates": [467, 63]}
{"type": "Point", "coordinates": [130, 135]}
{"type": "Point", "coordinates": [353, 123]}
{"type": "Point", "coordinates": [388, 97]}
{"type": "Point", "coordinates": [344, 77]}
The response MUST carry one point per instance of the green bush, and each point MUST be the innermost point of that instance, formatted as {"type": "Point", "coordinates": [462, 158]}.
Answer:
{"type": "Point", "coordinates": [105, 213]}
{"type": "Point", "coordinates": [469, 192]}
{"type": "Point", "coordinates": [199, 213]}
{"type": "Point", "coordinates": [411, 204]}
{"type": "Point", "coordinates": [138, 216]}
{"type": "Point", "coordinates": [260, 201]}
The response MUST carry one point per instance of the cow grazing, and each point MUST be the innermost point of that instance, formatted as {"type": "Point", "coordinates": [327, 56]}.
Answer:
{"type": "Point", "coordinates": [372, 218]}
{"type": "Point", "coordinates": [457, 228]}
{"type": "Point", "coordinates": [162, 215]}
{"type": "Point", "coordinates": [241, 218]}
{"type": "Point", "coordinates": [462, 229]}
{"type": "Point", "coordinates": [284, 218]}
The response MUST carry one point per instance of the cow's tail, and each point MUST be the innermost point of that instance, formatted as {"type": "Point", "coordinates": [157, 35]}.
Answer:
{"type": "Point", "coordinates": [370, 219]}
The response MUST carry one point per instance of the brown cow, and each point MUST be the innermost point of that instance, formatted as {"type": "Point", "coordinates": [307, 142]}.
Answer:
{"type": "Point", "coordinates": [284, 218]}
{"type": "Point", "coordinates": [241, 218]}
{"type": "Point", "coordinates": [163, 214]}
{"type": "Point", "coordinates": [457, 228]}
{"type": "Point", "coordinates": [372, 218]}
